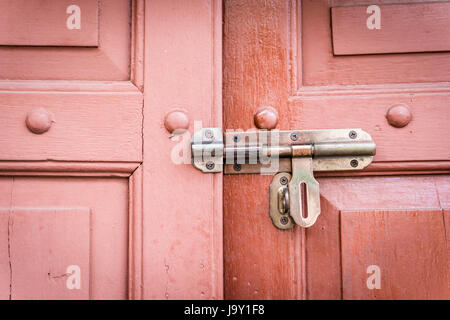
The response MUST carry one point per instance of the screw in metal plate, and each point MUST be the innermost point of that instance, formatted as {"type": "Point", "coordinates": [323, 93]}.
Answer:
{"type": "Point", "coordinates": [294, 136]}
{"type": "Point", "coordinates": [209, 134]}
{"type": "Point", "coordinates": [284, 220]}
{"type": "Point", "coordinates": [210, 165]}
{"type": "Point", "coordinates": [352, 134]}
{"type": "Point", "coordinates": [354, 163]}
{"type": "Point", "coordinates": [237, 167]}
{"type": "Point", "coordinates": [235, 138]}
{"type": "Point", "coordinates": [284, 180]}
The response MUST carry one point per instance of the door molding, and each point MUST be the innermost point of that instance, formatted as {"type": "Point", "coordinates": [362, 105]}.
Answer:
{"type": "Point", "coordinates": [130, 170]}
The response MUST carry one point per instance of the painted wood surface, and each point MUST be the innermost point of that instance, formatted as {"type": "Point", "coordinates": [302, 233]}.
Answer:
{"type": "Point", "coordinates": [279, 53]}
{"type": "Point", "coordinates": [404, 28]}
{"type": "Point", "coordinates": [96, 126]}
{"type": "Point", "coordinates": [408, 200]}
{"type": "Point", "coordinates": [323, 68]}
{"type": "Point", "coordinates": [5, 268]}
{"type": "Point", "coordinates": [182, 208]}
{"type": "Point", "coordinates": [44, 240]}
{"type": "Point", "coordinates": [99, 121]}
{"type": "Point", "coordinates": [49, 253]}
{"type": "Point", "coordinates": [49, 23]}
{"type": "Point", "coordinates": [410, 248]}
{"type": "Point", "coordinates": [367, 108]}
{"type": "Point", "coordinates": [261, 262]}
{"type": "Point", "coordinates": [109, 61]}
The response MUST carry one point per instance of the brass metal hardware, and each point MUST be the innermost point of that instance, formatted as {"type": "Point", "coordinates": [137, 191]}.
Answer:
{"type": "Point", "coordinates": [294, 155]}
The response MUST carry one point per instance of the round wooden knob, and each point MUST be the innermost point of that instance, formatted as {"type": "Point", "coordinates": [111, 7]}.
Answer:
{"type": "Point", "coordinates": [176, 121]}
{"type": "Point", "coordinates": [266, 117]}
{"type": "Point", "coordinates": [398, 115]}
{"type": "Point", "coordinates": [39, 120]}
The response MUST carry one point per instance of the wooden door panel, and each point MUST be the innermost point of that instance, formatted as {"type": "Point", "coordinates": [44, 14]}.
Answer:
{"type": "Point", "coordinates": [321, 67]}
{"type": "Point", "coordinates": [110, 60]}
{"type": "Point", "coordinates": [62, 23]}
{"type": "Point", "coordinates": [279, 53]}
{"type": "Point", "coordinates": [408, 247]}
{"type": "Point", "coordinates": [410, 202]}
{"type": "Point", "coordinates": [48, 248]}
{"type": "Point", "coordinates": [46, 236]}
{"type": "Point", "coordinates": [183, 208]}
{"type": "Point", "coordinates": [261, 262]}
{"type": "Point", "coordinates": [90, 122]}
{"type": "Point", "coordinates": [405, 29]}
{"type": "Point", "coordinates": [320, 108]}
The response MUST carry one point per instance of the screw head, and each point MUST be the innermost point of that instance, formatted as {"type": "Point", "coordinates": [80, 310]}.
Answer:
{"type": "Point", "coordinates": [352, 134]}
{"type": "Point", "coordinates": [237, 167]}
{"type": "Point", "coordinates": [209, 134]}
{"type": "Point", "coordinates": [294, 136]}
{"type": "Point", "coordinates": [284, 180]}
{"type": "Point", "coordinates": [210, 165]}
{"type": "Point", "coordinates": [354, 163]}
{"type": "Point", "coordinates": [284, 220]}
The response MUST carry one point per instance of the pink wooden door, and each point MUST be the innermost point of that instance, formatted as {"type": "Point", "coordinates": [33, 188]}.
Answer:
{"type": "Point", "coordinates": [87, 209]}
{"type": "Point", "coordinates": [70, 146]}
{"type": "Point", "coordinates": [324, 64]}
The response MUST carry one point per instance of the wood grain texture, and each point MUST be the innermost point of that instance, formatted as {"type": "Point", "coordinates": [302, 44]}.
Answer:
{"type": "Point", "coordinates": [279, 53]}
{"type": "Point", "coordinates": [393, 194]}
{"type": "Point", "coordinates": [409, 247]}
{"type": "Point", "coordinates": [95, 123]}
{"type": "Point", "coordinates": [261, 262]}
{"type": "Point", "coordinates": [109, 61]}
{"type": "Point", "coordinates": [135, 253]}
{"type": "Point", "coordinates": [43, 23]}
{"type": "Point", "coordinates": [363, 101]}
{"type": "Point", "coordinates": [107, 199]}
{"type": "Point", "coordinates": [67, 86]}
{"type": "Point", "coordinates": [182, 208]}
{"type": "Point", "coordinates": [5, 267]}
{"type": "Point", "coordinates": [90, 127]}
{"type": "Point", "coordinates": [137, 43]}
{"type": "Point", "coordinates": [367, 109]}
{"type": "Point", "coordinates": [43, 244]}
{"type": "Point", "coordinates": [320, 67]}
{"type": "Point", "coordinates": [68, 168]}
{"type": "Point", "coordinates": [404, 28]}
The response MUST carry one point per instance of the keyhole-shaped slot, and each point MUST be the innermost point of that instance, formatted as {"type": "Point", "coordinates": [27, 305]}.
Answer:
{"type": "Point", "coordinates": [304, 199]}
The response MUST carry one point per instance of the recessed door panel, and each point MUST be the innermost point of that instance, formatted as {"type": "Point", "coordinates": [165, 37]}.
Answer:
{"type": "Point", "coordinates": [48, 253]}
{"type": "Point", "coordinates": [387, 59]}
{"type": "Point", "coordinates": [406, 250]}
{"type": "Point", "coordinates": [71, 23]}
{"type": "Point", "coordinates": [66, 238]}
{"type": "Point", "coordinates": [65, 40]}
{"type": "Point", "coordinates": [404, 28]}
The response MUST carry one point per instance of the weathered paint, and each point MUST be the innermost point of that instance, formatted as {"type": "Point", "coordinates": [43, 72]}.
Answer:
{"type": "Point", "coordinates": [403, 28]}
{"type": "Point", "coordinates": [182, 207]}
{"type": "Point", "coordinates": [279, 53]}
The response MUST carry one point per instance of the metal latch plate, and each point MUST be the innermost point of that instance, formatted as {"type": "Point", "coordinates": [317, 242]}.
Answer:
{"type": "Point", "coordinates": [294, 193]}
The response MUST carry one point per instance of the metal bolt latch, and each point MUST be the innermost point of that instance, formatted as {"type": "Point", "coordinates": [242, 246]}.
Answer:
{"type": "Point", "coordinates": [292, 155]}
